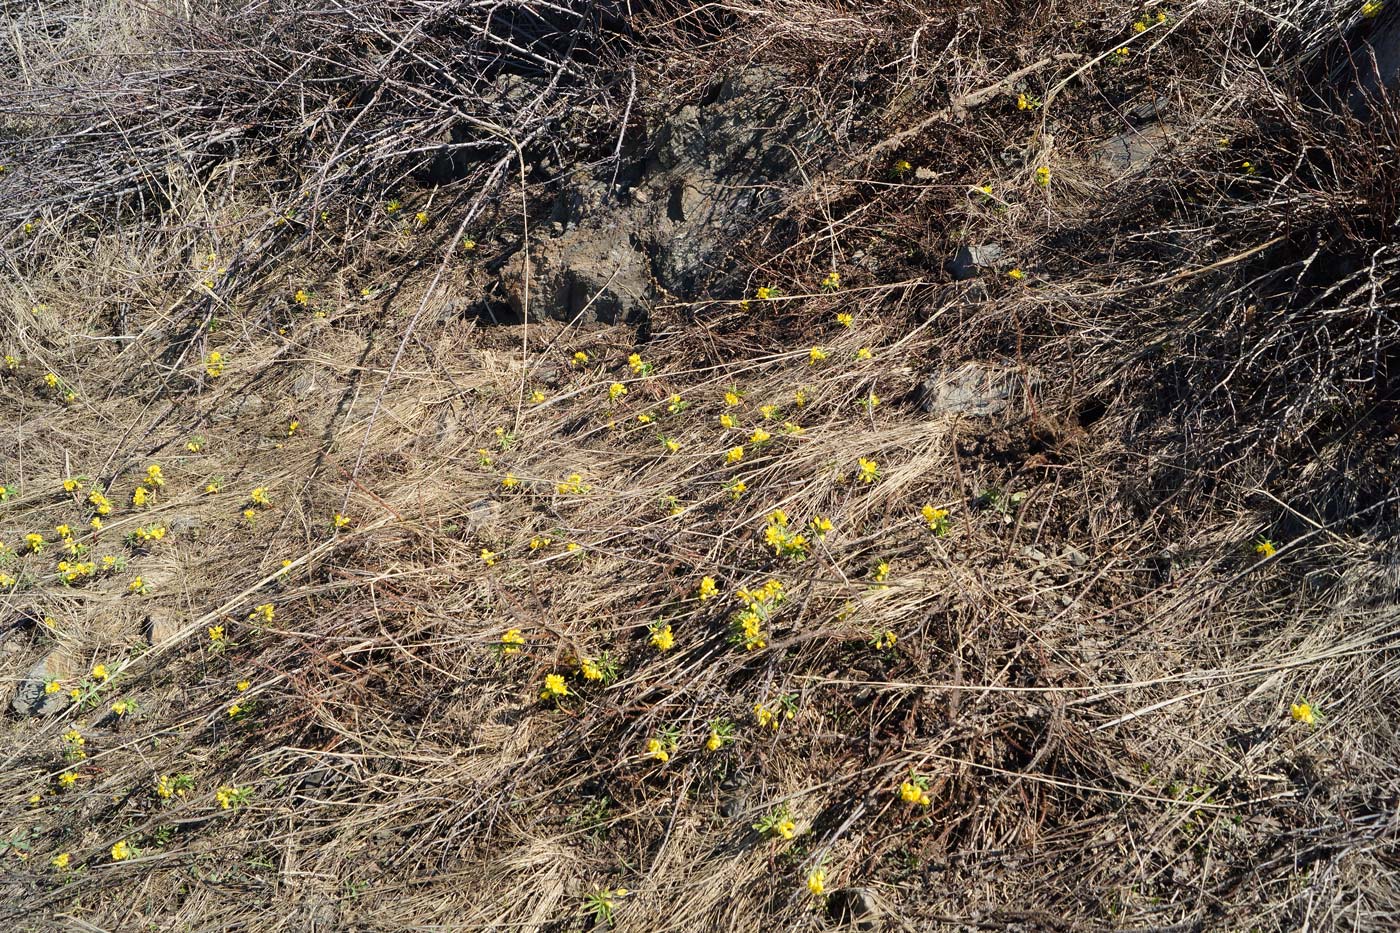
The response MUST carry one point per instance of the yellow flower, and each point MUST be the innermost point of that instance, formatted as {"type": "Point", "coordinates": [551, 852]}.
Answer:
{"type": "Point", "coordinates": [937, 519]}
{"type": "Point", "coordinates": [820, 526]}
{"type": "Point", "coordinates": [537, 543]}
{"type": "Point", "coordinates": [512, 641]}
{"type": "Point", "coordinates": [885, 641]}
{"type": "Point", "coordinates": [35, 542]}
{"type": "Point", "coordinates": [509, 481]}
{"type": "Point", "coordinates": [869, 470]}
{"type": "Point", "coordinates": [657, 751]}
{"type": "Point", "coordinates": [51, 381]}
{"type": "Point", "coordinates": [737, 489]}
{"type": "Point", "coordinates": [292, 427]}
{"type": "Point", "coordinates": [1139, 26]}
{"type": "Point", "coordinates": [121, 707]}
{"type": "Point", "coordinates": [727, 421]}
{"type": "Point", "coordinates": [1303, 712]}
{"type": "Point", "coordinates": [121, 851]}
{"type": "Point", "coordinates": [71, 485]}
{"type": "Point", "coordinates": [634, 363]}
{"type": "Point", "coordinates": [816, 882]}
{"type": "Point", "coordinates": [590, 670]}
{"type": "Point", "coordinates": [881, 571]}
{"type": "Point", "coordinates": [211, 488]}
{"type": "Point", "coordinates": [902, 167]}
{"type": "Point", "coordinates": [250, 514]}
{"type": "Point", "coordinates": [715, 742]}
{"type": "Point", "coordinates": [707, 588]}
{"type": "Point", "coordinates": [301, 297]}
{"type": "Point", "coordinates": [60, 861]}
{"type": "Point", "coordinates": [214, 364]}
{"type": "Point", "coordinates": [765, 292]}
{"type": "Point", "coordinates": [63, 531]}
{"type": "Point", "coordinates": [759, 436]}
{"type": "Point", "coordinates": [234, 710]}
{"type": "Point", "coordinates": [421, 218]}
{"type": "Point", "coordinates": [140, 496]}
{"type": "Point", "coordinates": [671, 444]}
{"type": "Point", "coordinates": [910, 792]}
{"type": "Point", "coordinates": [572, 546]}
{"type": "Point", "coordinates": [99, 672]}
{"type": "Point", "coordinates": [216, 633]}
{"type": "Point", "coordinates": [488, 557]}
{"type": "Point", "coordinates": [616, 391]}
{"type": "Point", "coordinates": [580, 358]}
{"type": "Point", "coordinates": [243, 685]}
{"type": "Point", "coordinates": [53, 686]}
{"type": "Point", "coordinates": [735, 455]}
{"type": "Point", "coordinates": [832, 281]}
{"type": "Point", "coordinates": [1015, 275]}
{"type": "Point", "coordinates": [266, 612]}
{"type": "Point", "coordinates": [258, 496]}
{"type": "Point", "coordinates": [731, 398]}
{"type": "Point", "coordinates": [1042, 175]}
{"type": "Point", "coordinates": [95, 523]}
{"type": "Point", "coordinates": [554, 686]}
{"type": "Point", "coordinates": [67, 779]}
{"type": "Point", "coordinates": [1370, 9]}
{"type": "Point", "coordinates": [845, 320]}
{"type": "Point", "coordinates": [468, 245]}
{"type": "Point", "coordinates": [785, 828]}
{"type": "Point", "coordinates": [154, 477]}
{"type": "Point", "coordinates": [1265, 548]}
{"type": "Point", "coordinates": [537, 396]}
{"type": "Point", "coordinates": [663, 639]}
{"type": "Point", "coordinates": [339, 521]}
{"type": "Point", "coordinates": [815, 355]}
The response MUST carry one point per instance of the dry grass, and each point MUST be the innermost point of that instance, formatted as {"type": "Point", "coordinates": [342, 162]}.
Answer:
{"type": "Point", "coordinates": [1093, 668]}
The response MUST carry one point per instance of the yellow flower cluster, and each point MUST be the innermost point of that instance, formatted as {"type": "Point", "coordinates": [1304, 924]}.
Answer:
{"type": "Point", "coordinates": [914, 792]}
{"type": "Point", "coordinates": [784, 543]}
{"type": "Point", "coordinates": [554, 687]}
{"type": "Point", "coordinates": [936, 519]}
{"type": "Point", "coordinates": [512, 641]}
{"type": "Point", "coordinates": [759, 605]}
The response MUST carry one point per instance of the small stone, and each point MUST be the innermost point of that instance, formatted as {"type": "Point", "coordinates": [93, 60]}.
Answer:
{"type": "Point", "coordinates": [483, 515]}
{"type": "Point", "coordinates": [240, 406]}
{"type": "Point", "coordinates": [30, 699]}
{"type": "Point", "coordinates": [856, 907]}
{"type": "Point", "coordinates": [161, 627]}
{"type": "Point", "coordinates": [1035, 554]}
{"type": "Point", "coordinates": [1074, 556]}
{"type": "Point", "coordinates": [304, 386]}
{"type": "Point", "coordinates": [971, 261]}
{"type": "Point", "coordinates": [973, 388]}
{"type": "Point", "coordinates": [185, 526]}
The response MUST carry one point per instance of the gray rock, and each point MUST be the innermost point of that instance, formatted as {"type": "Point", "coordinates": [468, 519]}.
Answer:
{"type": "Point", "coordinates": [303, 387]}
{"type": "Point", "coordinates": [240, 406]}
{"type": "Point", "coordinates": [483, 515]}
{"type": "Point", "coordinates": [712, 171]}
{"type": "Point", "coordinates": [1075, 557]}
{"type": "Point", "coordinates": [971, 388]}
{"type": "Point", "coordinates": [586, 273]}
{"type": "Point", "coordinates": [971, 261]}
{"type": "Point", "coordinates": [1034, 553]}
{"type": "Point", "coordinates": [30, 699]}
{"type": "Point", "coordinates": [856, 908]}
{"type": "Point", "coordinates": [185, 526]}
{"type": "Point", "coordinates": [161, 626]}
